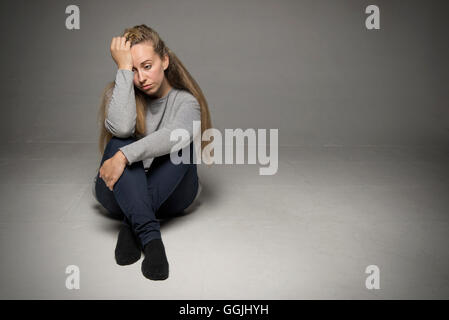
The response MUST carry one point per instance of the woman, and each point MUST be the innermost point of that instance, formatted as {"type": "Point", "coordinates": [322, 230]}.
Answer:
{"type": "Point", "coordinates": [152, 95]}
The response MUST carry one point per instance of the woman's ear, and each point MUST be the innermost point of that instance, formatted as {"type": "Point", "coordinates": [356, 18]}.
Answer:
{"type": "Point", "coordinates": [165, 62]}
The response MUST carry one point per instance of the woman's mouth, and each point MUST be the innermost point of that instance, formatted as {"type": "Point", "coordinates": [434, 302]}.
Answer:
{"type": "Point", "coordinates": [146, 87]}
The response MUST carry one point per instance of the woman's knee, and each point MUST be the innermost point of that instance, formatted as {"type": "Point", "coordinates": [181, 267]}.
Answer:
{"type": "Point", "coordinates": [105, 197]}
{"type": "Point", "coordinates": [116, 143]}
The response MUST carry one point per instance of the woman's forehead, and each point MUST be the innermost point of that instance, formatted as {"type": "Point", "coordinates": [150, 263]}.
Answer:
{"type": "Point", "coordinates": [143, 51]}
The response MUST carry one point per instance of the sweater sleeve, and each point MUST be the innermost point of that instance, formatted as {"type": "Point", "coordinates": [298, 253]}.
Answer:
{"type": "Point", "coordinates": [158, 143]}
{"type": "Point", "coordinates": [121, 113]}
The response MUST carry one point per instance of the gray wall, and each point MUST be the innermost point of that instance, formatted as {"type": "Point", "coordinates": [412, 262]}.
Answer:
{"type": "Point", "coordinates": [308, 68]}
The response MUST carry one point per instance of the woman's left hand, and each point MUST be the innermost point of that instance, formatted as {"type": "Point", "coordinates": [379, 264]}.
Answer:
{"type": "Point", "coordinates": [112, 169]}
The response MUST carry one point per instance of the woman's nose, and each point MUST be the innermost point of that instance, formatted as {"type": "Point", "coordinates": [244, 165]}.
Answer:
{"type": "Point", "coordinates": [140, 77]}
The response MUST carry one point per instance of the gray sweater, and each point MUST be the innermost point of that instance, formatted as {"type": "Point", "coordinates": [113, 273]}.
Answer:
{"type": "Point", "coordinates": [177, 109]}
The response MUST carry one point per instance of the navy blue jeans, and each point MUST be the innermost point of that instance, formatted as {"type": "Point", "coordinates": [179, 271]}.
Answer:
{"type": "Point", "coordinates": [141, 198]}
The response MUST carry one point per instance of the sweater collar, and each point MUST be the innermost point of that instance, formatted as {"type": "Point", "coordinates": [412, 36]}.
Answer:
{"type": "Point", "coordinates": [164, 98]}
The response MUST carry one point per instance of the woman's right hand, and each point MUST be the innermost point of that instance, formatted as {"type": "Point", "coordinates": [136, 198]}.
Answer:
{"type": "Point", "coordinates": [121, 53]}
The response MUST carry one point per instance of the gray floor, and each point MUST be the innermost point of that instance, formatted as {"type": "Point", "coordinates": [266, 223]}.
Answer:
{"type": "Point", "coordinates": [308, 232]}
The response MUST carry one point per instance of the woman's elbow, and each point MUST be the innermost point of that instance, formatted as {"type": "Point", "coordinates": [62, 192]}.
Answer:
{"type": "Point", "coordinates": [120, 131]}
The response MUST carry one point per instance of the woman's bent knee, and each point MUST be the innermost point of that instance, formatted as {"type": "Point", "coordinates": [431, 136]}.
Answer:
{"type": "Point", "coordinates": [116, 143]}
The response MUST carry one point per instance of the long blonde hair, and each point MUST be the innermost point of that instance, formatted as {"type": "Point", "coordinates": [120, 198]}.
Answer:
{"type": "Point", "coordinates": [176, 74]}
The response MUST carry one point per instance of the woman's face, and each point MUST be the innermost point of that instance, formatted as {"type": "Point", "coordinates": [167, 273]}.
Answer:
{"type": "Point", "coordinates": [148, 69]}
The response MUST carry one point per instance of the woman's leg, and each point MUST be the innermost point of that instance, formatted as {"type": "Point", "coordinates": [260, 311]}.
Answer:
{"type": "Point", "coordinates": [163, 179]}
{"type": "Point", "coordinates": [166, 189]}
{"type": "Point", "coordinates": [172, 187]}
{"type": "Point", "coordinates": [139, 196]}
{"type": "Point", "coordinates": [129, 198]}
{"type": "Point", "coordinates": [182, 196]}
{"type": "Point", "coordinates": [106, 197]}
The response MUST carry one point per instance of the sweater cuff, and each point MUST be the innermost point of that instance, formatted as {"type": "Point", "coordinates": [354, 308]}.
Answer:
{"type": "Point", "coordinates": [128, 154]}
{"type": "Point", "coordinates": [126, 71]}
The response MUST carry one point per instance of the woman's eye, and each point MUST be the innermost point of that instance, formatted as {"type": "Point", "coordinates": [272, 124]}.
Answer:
{"type": "Point", "coordinates": [148, 65]}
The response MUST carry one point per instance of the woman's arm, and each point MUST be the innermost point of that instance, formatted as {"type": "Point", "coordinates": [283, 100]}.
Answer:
{"type": "Point", "coordinates": [120, 119]}
{"type": "Point", "coordinates": [158, 143]}
{"type": "Point", "coordinates": [121, 110]}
